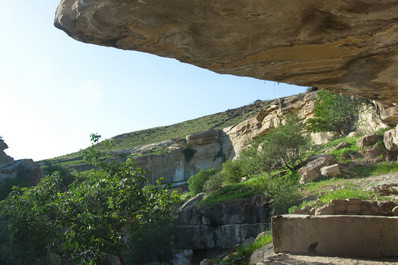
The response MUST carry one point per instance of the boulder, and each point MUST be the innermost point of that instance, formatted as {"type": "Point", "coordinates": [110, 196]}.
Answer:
{"type": "Point", "coordinates": [312, 170]}
{"type": "Point", "coordinates": [391, 139]}
{"type": "Point", "coordinates": [331, 171]}
{"type": "Point", "coordinates": [367, 140]}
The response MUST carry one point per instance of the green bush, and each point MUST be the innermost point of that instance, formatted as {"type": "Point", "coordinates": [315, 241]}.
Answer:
{"type": "Point", "coordinates": [282, 193]}
{"type": "Point", "coordinates": [233, 171]}
{"type": "Point", "coordinates": [196, 182]}
{"type": "Point", "coordinates": [333, 112]}
{"type": "Point", "coordinates": [214, 183]}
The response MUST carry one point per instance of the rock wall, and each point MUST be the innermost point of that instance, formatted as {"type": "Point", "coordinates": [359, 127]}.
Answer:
{"type": "Point", "coordinates": [184, 157]}
{"type": "Point", "coordinates": [221, 225]}
{"type": "Point", "coordinates": [344, 46]}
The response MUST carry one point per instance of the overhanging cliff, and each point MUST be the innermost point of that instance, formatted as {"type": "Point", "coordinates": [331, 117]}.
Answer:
{"type": "Point", "coordinates": [345, 46]}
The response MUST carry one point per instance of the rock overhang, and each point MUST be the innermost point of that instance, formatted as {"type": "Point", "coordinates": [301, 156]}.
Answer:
{"type": "Point", "coordinates": [344, 46]}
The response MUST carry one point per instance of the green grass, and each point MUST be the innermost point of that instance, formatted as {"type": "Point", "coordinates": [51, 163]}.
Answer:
{"type": "Point", "coordinates": [375, 169]}
{"type": "Point", "coordinates": [232, 192]}
{"type": "Point", "coordinates": [347, 193]}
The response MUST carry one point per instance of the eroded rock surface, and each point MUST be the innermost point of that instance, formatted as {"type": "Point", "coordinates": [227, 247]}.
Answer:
{"type": "Point", "coordinates": [345, 46]}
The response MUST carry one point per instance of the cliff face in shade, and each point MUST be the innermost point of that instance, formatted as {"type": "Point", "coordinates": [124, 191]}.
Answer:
{"type": "Point", "coordinates": [345, 46]}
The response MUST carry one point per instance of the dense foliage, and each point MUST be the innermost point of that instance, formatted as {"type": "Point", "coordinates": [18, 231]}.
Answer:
{"type": "Point", "coordinates": [333, 112]}
{"type": "Point", "coordinates": [49, 224]}
{"type": "Point", "coordinates": [197, 181]}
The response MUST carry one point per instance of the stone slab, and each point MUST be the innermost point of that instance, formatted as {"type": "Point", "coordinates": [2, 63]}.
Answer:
{"type": "Point", "coordinates": [336, 235]}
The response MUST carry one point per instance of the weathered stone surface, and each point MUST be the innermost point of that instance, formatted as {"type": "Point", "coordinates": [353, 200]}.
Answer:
{"type": "Point", "coordinates": [23, 167]}
{"type": "Point", "coordinates": [367, 140]}
{"type": "Point", "coordinates": [202, 138]}
{"type": "Point", "coordinates": [331, 171]}
{"type": "Point", "coordinates": [343, 236]}
{"type": "Point", "coordinates": [352, 207]}
{"type": "Point", "coordinates": [345, 46]}
{"type": "Point", "coordinates": [312, 170]}
{"type": "Point", "coordinates": [391, 139]}
{"type": "Point", "coordinates": [221, 225]}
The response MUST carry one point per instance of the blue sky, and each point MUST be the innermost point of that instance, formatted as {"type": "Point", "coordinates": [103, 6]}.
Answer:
{"type": "Point", "coordinates": [55, 91]}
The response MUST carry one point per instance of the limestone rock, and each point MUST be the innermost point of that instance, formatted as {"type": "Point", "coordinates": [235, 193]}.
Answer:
{"type": "Point", "coordinates": [331, 171]}
{"type": "Point", "coordinates": [312, 170]}
{"type": "Point", "coordinates": [367, 140]}
{"type": "Point", "coordinates": [23, 167]}
{"type": "Point", "coordinates": [345, 46]}
{"type": "Point", "coordinates": [203, 138]}
{"type": "Point", "coordinates": [325, 210]}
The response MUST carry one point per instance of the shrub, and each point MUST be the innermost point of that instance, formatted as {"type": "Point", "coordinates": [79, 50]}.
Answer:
{"type": "Point", "coordinates": [333, 112]}
{"type": "Point", "coordinates": [196, 182]}
{"type": "Point", "coordinates": [282, 193]}
{"type": "Point", "coordinates": [214, 183]}
{"type": "Point", "coordinates": [233, 171]}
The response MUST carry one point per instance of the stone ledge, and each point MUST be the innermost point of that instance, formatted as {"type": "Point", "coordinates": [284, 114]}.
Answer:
{"type": "Point", "coordinates": [336, 235]}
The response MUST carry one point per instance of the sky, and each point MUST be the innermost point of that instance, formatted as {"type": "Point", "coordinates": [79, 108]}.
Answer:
{"type": "Point", "coordinates": [56, 91]}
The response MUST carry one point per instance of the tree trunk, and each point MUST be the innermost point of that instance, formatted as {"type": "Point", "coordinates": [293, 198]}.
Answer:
{"type": "Point", "coordinates": [121, 257]}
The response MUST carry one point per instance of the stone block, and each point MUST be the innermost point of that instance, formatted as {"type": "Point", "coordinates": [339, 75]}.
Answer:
{"type": "Point", "coordinates": [331, 171]}
{"type": "Point", "coordinates": [332, 235]}
{"type": "Point", "coordinates": [367, 140]}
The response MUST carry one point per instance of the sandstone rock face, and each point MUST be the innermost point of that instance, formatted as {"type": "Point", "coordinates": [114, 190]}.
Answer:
{"type": "Point", "coordinates": [345, 46]}
{"type": "Point", "coordinates": [173, 164]}
{"type": "Point", "coordinates": [221, 225]}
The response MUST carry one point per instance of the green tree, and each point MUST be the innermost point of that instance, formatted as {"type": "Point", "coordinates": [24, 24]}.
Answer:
{"type": "Point", "coordinates": [281, 148]}
{"type": "Point", "coordinates": [196, 182]}
{"type": "Point", "coordinates": [88, 220]}
{"type": "Point", "coordinates": [335, 113]}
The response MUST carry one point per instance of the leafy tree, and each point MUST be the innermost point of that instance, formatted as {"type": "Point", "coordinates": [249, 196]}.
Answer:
{"type": "Point", "coordinates": [281, 148]}
{"type": "Point", "coordinates": [90, 219]}
{"type": "Point", "coordinates": [196, 182]}
{"type": "Point", "coordinates": [333, 112]}
{"type": "Point", "coordinates": [233, 171]}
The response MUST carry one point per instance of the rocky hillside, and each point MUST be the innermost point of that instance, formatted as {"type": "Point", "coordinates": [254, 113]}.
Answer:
{"type": "Point", "coordinates": [179, 151]}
